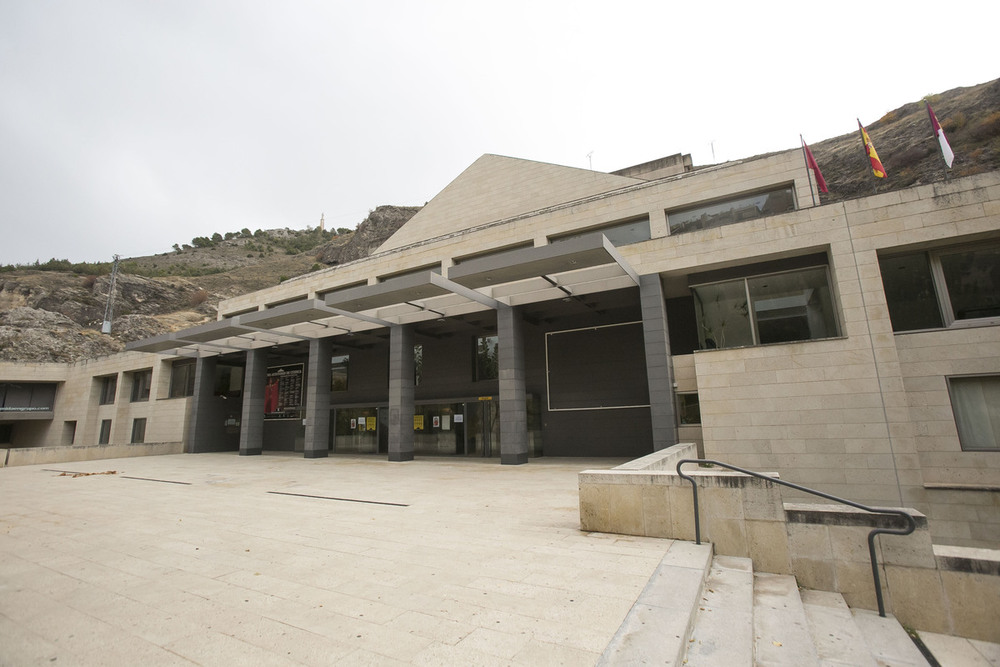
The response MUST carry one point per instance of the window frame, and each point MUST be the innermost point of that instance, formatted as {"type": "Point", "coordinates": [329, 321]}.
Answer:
{"type": "Point", "coordinates": [951, 380]}
{"type": "Point", "coordinates": [477, 366]}
{"type": "Point", "coordinates": [138, 431]}
{"type": "Point", "coordinates": [109, 389]}
{"type": "Point", "coordinates": [752, 317]}
{"type": "Point", "coordinates": [104, 436]}
{"type": "Point", "coordinates": [142, 384]}
{"type": "Point", "coordinates": [345, 363]}
{"type": "Point", "coordinates": [677, 228]}
{"type": "Point", "coordinates": [188, 388]}
{"type": "Point", "coordinates": [944, 304]}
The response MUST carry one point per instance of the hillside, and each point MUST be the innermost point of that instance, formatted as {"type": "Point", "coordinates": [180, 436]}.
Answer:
{"type": "Point", "coordinates": [54, 311]}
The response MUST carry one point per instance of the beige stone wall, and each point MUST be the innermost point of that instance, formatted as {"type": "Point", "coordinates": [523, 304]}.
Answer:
{"type": "Point", "coordinates": [78, 394]}
{"type": "Point", "coordinates": [575, 199]}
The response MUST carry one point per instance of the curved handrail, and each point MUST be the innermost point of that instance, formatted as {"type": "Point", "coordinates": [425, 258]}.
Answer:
{"type": "Point", "coordinates": [911, 524]}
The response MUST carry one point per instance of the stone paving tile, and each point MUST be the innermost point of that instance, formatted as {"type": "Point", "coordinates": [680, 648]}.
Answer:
{"type": "Point", "coordinates": [485, 564]}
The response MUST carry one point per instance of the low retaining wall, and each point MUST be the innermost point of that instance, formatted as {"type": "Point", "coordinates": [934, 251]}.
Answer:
{"type": "Point", "coordinates": [952, 590]}
{"type": "Point", "coordinates": [26, 456]}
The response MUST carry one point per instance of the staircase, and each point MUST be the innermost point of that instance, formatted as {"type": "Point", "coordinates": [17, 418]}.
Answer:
{"type": "Point", "coordinates": [700, 610]}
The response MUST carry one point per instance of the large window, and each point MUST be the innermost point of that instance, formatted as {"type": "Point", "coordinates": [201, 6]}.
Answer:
{"type": "Point", "coordinates": [487, 365]}
{"type": "Point", "coordinates": [619, 233]}
{"type": "Point", "coordinates": [939, 288]}
{"type": "Point", "coordinates": [728, 211]}
{"type": "Point", "coordinates": [772, 308]}
{"type": "Point", "coordinates": [182, 379]}
{"type": "Point", "coordinates": [141, 381]}
{"type": "Point", "coordinates": [109, 386]}
{"type": "Point", "coordinates": [975, 401]}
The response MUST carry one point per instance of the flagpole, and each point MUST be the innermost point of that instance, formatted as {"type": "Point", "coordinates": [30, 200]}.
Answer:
{"type": "Point", "coordinates": [808, 169]}
{"type": "Point", "coordinates": [868, 161]}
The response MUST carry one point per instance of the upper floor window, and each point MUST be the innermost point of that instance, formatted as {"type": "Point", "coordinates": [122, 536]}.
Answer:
{"type": "Point", "coordinates": [733, 209]}
{"type": "Point", "coordinates": [228, 381]}
{"type": "Point", "coordinates": [141, 381]}
{"type": "Point", "coordinates": [182, 379]}
{"type": "Point", "coordinates": [939, 288]}
{"type": "Point", "coordinates": [109, 385]}
{"type": "Point", "coordinates": [770, 308]}
{"type": "Point", "coordinates": [418, 364]}
{"type": "Point", "coordinates": [619, 233]}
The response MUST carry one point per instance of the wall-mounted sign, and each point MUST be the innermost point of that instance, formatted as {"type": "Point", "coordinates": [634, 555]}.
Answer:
{"type": "Point", "coordinates": [283, 391]}
{"type": "Point", "coordinates": [418, 422]}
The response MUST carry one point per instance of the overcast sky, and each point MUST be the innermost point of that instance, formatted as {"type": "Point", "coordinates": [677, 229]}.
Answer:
{"type": "Point", "coordinates": [129, 125]}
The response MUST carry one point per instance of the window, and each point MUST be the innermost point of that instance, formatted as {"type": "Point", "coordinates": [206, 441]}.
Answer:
{"type": "Point", "coordinates": [975, 401]}
{"type": "Point", "coordinates": [109, 385]}
{"type": "Point", "coordinates": [105, 436]}
{"type": "Point", "coordinates": [418, 364]}
{"type": "Point", "coordinates": [688, 409]}
{"type": "Point", "coordinates": [141, 381]}
{"type": "Point", "coordinates": [69, 432]}
{"type": "Point", "coordinates": [6, 434]}
{"type": "Point", "coordinates": [774, 308]}
{"type": "Point", "coordinates": [27, 396]}
{"type": "Point", "coordinates": [619, 233]}
{"type": "Point", "coordinates": [728, 211]}
{"type": "Point", "coordinates": [939, 288]}
{"type": "Point", "coordinates": [339, 367]}
{"type": "Point", "coordinates": [487, 366]}
{"type": "Point", "coordinates": [182, 379]}
{"type": "Point", "coordinates": [228, 381]}
{"type": "Point", "coordinates": [138, 431]}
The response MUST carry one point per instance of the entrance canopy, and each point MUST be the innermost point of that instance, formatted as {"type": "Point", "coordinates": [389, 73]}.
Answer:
{"type": "Point", "coordinates": [562, 270]}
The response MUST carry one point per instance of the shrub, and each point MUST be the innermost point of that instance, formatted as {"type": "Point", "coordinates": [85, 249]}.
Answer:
{"type": "Point", "coordinates": [198, 297]}
{"type": "Point", "coordinates": [909, 156]}
{"type": "Point", "coordinates": [89, 281]}
{"type": "Point", "coordinates": [987, 127]}
{"type": "Point", "coordinates": [954, 123]}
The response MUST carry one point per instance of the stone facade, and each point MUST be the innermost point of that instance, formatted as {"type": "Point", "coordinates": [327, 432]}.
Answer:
{"type": "Point", "coordinates": [864, 413]}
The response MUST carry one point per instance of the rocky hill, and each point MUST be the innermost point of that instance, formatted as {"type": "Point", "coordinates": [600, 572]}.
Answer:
{"type": "Point", "coordinates": [54, 311]}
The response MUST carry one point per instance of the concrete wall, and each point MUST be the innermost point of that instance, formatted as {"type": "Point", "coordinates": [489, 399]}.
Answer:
{"type": "Point", "coordinates": [954, 590]}
{"type": "Point", "coordinates": [49, 455]}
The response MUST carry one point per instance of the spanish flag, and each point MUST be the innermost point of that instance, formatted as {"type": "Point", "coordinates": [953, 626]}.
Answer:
{"type": "Point", "coordinates": [877, 167]}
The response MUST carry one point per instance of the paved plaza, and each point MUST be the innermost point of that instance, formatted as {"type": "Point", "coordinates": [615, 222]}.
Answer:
{"type": "Point", "coordinates": [216, 559]}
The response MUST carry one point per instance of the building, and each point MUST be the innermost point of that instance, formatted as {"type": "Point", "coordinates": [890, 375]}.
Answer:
{"type": "Point", "coordinates": [533, 309]}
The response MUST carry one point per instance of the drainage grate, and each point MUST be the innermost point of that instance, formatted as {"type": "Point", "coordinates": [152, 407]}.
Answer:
{"type": "Point", "coordinates": [345, 500]}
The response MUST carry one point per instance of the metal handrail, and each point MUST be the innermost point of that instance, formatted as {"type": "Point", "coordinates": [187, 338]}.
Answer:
{"type": "Point", "coordinates": [911, 523]}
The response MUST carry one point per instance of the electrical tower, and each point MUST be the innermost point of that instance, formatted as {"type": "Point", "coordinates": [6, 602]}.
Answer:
{"type": "Point", "coordinates": [106, 327]}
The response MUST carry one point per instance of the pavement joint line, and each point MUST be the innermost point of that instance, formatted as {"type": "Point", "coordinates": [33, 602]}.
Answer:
{"type": "Point", "coordinates": [345, 500]}
{"type": "Point", "coordinates": [150, 479]}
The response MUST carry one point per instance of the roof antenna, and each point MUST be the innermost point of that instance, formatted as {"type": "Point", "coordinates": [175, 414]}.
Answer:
{"type": "Point", "coordinates": [590, 161]}
{"type": "Point", "coordinates": [106, 327]}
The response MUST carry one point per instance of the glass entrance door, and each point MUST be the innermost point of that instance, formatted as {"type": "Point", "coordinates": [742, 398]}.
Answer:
{"type": "Point", "coordinates": [484, 428]}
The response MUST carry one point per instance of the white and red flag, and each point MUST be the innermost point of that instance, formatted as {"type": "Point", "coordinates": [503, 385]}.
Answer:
{"type": "Point", "coordinates": [946, 151]}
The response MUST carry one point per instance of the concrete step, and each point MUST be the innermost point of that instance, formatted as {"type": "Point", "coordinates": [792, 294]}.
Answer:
{"type": "Point", "coordinates": [838, 639]}
{"type": "Point", "coordinates": [723, 625]}
{"type": "Point", "coordinates": [656, 629]}
{"type": "Point", "coordinates": [887, 640]}
{"type": "Point", "coordinates": [959, 652]}
{"type": "Point", "coordinates": [781, 631]}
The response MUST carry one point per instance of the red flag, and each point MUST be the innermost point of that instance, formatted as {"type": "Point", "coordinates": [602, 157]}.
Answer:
{"type": "Point", "coordinates": [877, 167]}
{"type": "Point", "coordinates": [811, 163]}
{"type": "Point", "coordinates": [946, 152]}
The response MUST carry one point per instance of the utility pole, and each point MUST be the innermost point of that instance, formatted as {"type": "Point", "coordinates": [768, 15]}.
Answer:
{"type": "Point", "coordinates": [106, 327]}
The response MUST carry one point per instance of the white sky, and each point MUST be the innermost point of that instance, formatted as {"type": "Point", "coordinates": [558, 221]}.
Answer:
{"type": "Point", "coordinates": [129, 125]}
